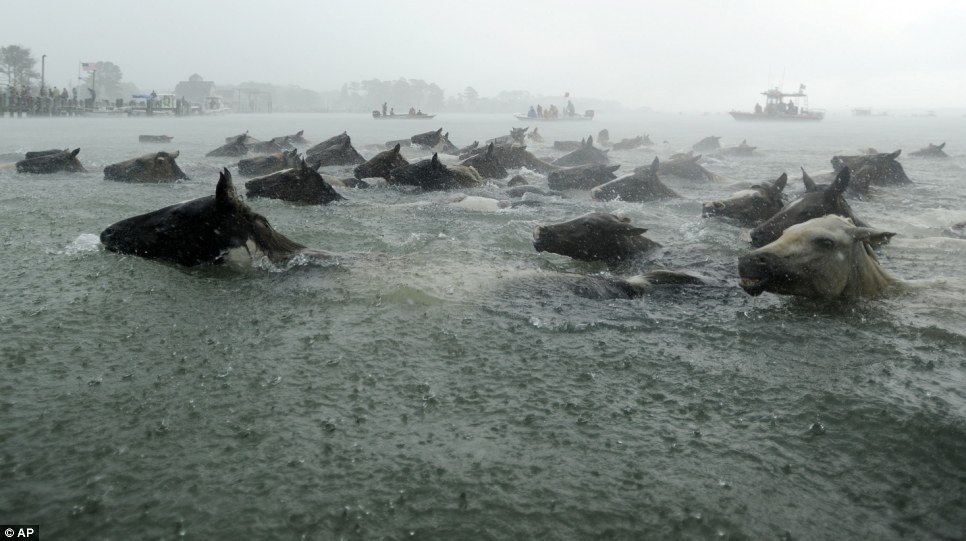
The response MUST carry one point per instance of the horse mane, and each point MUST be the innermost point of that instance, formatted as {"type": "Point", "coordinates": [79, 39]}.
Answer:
{"type": "Point", "coordinates": [867, 278]}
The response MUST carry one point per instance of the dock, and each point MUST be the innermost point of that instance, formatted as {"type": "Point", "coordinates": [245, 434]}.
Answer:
{"type": "Point", "coordinates": [15, 105]}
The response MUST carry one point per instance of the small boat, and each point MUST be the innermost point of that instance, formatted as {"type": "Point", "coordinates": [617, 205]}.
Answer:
{"type": "Point", "coordinates": [588, 115]}
{"type": "Point", "coordinates": [154, 105]}
{"type": "Point", "coordinates": [796, 109]}
{"type": "Point", "coordinates": [408, 116]}
{"type": "Point", "coordinates": [155, 138]}
{"type": "Point", "coordinates": [214, 105]}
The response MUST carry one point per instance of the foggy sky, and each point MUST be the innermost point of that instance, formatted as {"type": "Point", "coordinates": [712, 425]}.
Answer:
{"type": "Point", "coordinates": [669, 55]}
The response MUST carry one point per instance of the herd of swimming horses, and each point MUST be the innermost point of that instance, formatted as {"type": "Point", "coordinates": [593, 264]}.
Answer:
{"type": "Point", "coordinates": [813, 246]}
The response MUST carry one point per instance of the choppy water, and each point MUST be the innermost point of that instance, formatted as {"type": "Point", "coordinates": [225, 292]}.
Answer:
{"type": "Point", "coordinates": [440, 387]}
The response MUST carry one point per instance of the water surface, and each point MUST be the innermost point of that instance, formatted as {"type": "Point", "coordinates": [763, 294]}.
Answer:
{"type": "Point", "coordinates": [439, 385]}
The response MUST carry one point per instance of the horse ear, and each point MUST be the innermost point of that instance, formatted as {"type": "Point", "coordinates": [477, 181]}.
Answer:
{"type": "Point", "coordinates": [613, 168]}
{"type": "Point", "coordinates": [435, 162]}
{"type": "Point", "coordinates": [75, 153]}
{"type": "Point", "coordinates": [439, 131]}
{"type": "Point", "coordinates": [940, 147]}
{"type": "Point", "coordinates": [489, 149]}
{"type": "Point", "coordinates": [810, 185]}
{"type": "Point", "coordinates": [396, 148]}
{"type": "Point", "coordinates": [655, 165]}
{"type": "Point", "coordinates": [225, 190]}
{"type": "Point", "coordinates": [780, 183]}
{"type": "Point", "coordinates": [840, 184]}
{"type": "Point", "coordinates": [347, 143]}
{"type": "Point", "coordinates": [894, 155]}
{"type": "Point", "coordinates": [299, 134]}
{"type": "Point", "coordinates": [176, 154]}
{"type": "Point", "coordinates": [590, 140]}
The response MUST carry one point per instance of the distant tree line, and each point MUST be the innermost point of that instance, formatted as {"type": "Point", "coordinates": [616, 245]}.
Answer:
{"type": "Point", "coordinates": [19, 66]}
{"type": "Point", "coordinates": [401, 94]}
{"type": "Point", "coordinates": [404, 93]}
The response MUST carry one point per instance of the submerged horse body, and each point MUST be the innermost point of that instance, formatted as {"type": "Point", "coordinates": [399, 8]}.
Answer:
{"type": "Point", "coordinates": [154, 167]}
{"type": "Point", "coordinates": [45, 162]}
{"type": "Point", "coordinates": [207, 230]}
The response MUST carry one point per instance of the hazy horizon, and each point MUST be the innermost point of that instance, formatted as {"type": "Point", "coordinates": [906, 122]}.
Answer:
{"type": "Point", "coordinates": [682, 56]}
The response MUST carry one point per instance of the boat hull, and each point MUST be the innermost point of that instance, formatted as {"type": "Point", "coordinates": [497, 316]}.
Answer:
{"type": "Point", "coordinates": [558, 119]}
{"type": "Point", "coordinates": [762, 117]}
{"type": "Point", "coordinates": [377, 116]}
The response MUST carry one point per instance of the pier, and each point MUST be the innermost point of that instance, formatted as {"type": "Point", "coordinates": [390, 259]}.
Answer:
{"type": "Point", "coordinates": [13, 104]}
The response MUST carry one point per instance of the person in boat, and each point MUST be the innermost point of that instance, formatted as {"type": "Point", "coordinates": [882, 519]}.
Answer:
{"type": "Point", "coordinates": [419, 112]}
{"type": "Point", "coordinates": [384, 105]}
{"type": "Point", "coordinates": [757, 108]}
{"type": "Point", "coordinates": [570, 108]}
{"type": "Point", "coordinates": [412, 111]}
{"type": "Point", "coordinates": [532, 113]}
{"type": "Point", "coordinates": [392, 111]}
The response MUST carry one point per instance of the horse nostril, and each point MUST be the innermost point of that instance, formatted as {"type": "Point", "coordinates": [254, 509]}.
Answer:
{"type": "Point", "coordinates": [718, 205]}
{"type": "Point", "coordinates": [761, 260]}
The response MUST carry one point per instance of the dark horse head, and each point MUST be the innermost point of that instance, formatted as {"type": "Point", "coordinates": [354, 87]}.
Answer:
{"type": "Point", "coordinates": [204, 230]}
{"type": "Point", "coordinates": [751, 206]}
{"type": "Point", "coordinates": [815, 203]}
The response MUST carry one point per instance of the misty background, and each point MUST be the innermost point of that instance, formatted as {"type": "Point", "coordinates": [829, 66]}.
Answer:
{"type": "Point", "coordinates": [499, 56]}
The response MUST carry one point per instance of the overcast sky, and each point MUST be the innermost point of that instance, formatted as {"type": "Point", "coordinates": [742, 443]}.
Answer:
{"type": "Point", "coordinates": [670, 55]}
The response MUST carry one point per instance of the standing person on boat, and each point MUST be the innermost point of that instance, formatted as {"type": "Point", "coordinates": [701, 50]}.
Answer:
{"type": "Point", "coordinates": [757, 108]}
{"type": "Point", "coordinates": [412, 111]}
{"type": "Point", "coordinates": [570, 108]}
{"type": "Point", "coordinates": [531, 113]}
{"type": "Point", "coordinates": [384, 105]}
{"type": "Point", "coordinates": [419, 112]}
{"type": "Point", "coordinates": [392, 111]}
{"type": "Point", "coordinates": [539, 110]}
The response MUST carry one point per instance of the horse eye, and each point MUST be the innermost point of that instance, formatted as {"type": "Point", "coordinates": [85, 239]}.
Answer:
{"type": "Point", "coordinates": [824, 242]}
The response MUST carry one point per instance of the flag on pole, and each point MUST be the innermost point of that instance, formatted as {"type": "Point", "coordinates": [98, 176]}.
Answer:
{"type": "Point", "coordinates": [89, 66]}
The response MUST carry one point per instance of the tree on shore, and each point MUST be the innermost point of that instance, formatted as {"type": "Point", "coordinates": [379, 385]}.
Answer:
{"type": "Point", "coordinates": [108, 78]}
{"type": "Point", "coordinates": [17, 64]}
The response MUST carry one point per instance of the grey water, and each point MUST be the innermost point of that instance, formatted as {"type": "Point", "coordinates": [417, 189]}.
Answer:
{"type": "Point", "coordinates": [438, 385]}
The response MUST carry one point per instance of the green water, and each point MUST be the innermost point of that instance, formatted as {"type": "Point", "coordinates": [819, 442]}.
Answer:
{"type": "Point", "coordinates": [437, 383]}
